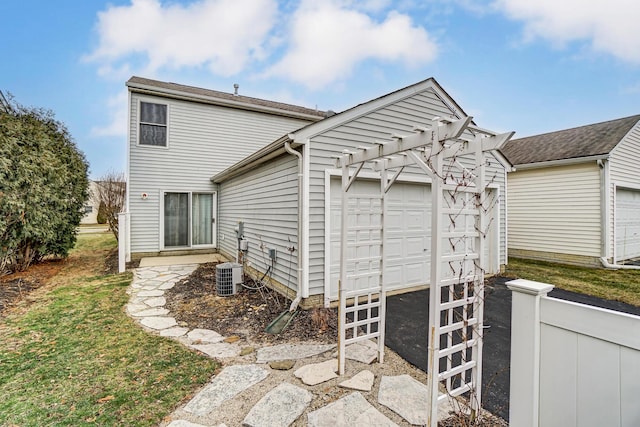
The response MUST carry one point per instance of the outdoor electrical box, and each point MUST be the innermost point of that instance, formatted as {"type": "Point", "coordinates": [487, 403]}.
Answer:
{"type": "Point", "coordinates": [244, 245]}
{"type": "Point", "coordinates": [272, 254]}
{"type": "Point", "coordinates": [240, 229]}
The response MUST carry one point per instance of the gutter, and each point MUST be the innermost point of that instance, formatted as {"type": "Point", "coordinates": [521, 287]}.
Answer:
{"type": "Point", "coordinates": [296, 301]}
{"type": "Point", "coordinates": [561, 162]}
{"type": "Point", "coordinates": [261, 156]}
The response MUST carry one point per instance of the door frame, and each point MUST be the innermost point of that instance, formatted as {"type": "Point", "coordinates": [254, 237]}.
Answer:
{"type": "Point", "coordinates": [214, 214]}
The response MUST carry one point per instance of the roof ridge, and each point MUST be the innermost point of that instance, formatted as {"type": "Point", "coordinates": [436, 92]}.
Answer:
{"type": "Point", "coordinates": [196, 90]}
{"type": "Point", "coordinates": [577, 127]}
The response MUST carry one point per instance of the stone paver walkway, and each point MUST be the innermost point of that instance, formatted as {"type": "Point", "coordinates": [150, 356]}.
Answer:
{"type": "Point", "coordinates": [283, 404]}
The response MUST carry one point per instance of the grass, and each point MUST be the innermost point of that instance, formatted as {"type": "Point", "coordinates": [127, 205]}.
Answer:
{"type": "Point", "coordinates": [619, 285]}
{"type": "Point", "coordinates": [73, 357]}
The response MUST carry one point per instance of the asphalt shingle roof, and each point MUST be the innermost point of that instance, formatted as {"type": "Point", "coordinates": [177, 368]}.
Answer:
{"type": "Point", "coordinates": [225, 96]}
{"type": "Point", "coordinates": [584, 141]}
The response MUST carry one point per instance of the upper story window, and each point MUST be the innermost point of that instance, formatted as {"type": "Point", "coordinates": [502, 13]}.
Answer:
{"type": "Point", "coordinates": [153, 124]}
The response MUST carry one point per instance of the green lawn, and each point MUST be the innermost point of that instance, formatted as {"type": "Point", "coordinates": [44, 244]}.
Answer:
{"type": "Point", "coordinates": [73, 357]}
{"type": "Point", "coordinates": [619, 285]}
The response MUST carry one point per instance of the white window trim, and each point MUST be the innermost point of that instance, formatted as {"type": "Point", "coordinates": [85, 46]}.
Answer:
{"type": "Point", "coordinates": [139, 122]}
{"type": "Point", "coordinates": [214, 228]}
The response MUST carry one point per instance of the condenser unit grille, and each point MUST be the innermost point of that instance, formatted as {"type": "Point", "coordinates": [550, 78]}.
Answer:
{"type": "Point", "coordinates": [228, 277]}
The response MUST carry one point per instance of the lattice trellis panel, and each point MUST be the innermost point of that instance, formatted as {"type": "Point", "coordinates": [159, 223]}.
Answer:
{"type": "Point", "coordinates": [361, 288]}
{"type": "Point", "coordinates": [460, 202]}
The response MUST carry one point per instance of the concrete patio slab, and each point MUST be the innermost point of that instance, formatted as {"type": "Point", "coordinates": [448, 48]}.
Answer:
{"type": "Point", "coordinates": [180, 260]}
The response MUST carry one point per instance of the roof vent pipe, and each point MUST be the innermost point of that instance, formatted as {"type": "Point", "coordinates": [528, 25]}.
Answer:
{"type": "Point", "coordinates": [236, 86]}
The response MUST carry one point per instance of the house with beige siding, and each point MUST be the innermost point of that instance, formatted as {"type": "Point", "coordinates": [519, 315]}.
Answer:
{"type": "Point", "coordinates": [271, 176]}
{"type": "Point", "coordinates": [574, 196]}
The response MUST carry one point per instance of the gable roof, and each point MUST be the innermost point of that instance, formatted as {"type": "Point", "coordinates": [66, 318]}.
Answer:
{"type": "Point", "coordinates": [192, 93]}
{"type": "Point", "coordinates": [585, 141]}
{"type": "Point", "coordinates": [298, 137]}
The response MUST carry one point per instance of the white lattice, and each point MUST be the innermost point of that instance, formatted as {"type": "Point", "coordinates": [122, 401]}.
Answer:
{"type": "Point", "coordinates": [460, 202]}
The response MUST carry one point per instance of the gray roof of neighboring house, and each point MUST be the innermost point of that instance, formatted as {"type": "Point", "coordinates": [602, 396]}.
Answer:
{"type": "Point", "coordinates": [584, 141]}
{"type": "Point", "coordinates": [140, 84]}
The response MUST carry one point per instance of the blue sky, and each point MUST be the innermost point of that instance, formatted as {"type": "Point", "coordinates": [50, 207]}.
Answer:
{"type": "Point", "coordinates": [527, 66]}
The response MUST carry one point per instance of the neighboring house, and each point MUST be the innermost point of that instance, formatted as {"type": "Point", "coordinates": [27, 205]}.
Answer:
{"type": "Point", "coordinates": [223, 159]}
{"type": "Point", "coordinates": [575, 194]}
{"type": "Point", "coordinates": [91, 205]}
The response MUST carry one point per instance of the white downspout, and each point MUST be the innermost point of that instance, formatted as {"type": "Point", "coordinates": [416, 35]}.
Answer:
{"type": "Point", "coordinates": [606, 264]}
{"type": "Point", "coordinates": [296, 301]}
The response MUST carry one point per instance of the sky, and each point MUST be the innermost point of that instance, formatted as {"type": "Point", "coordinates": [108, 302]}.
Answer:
{"type": "Point", "coordinates": [514, 65]}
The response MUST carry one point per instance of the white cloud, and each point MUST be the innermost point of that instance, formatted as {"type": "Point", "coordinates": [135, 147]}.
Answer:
{"type": "Point", "coordinates": [117, 120]}
{"type": "Point", "coordinates": [223, 35]}
{"type": "Point", "coordinates": [327, 40]}
{"type": "Point", "coordinates": [610, 26]}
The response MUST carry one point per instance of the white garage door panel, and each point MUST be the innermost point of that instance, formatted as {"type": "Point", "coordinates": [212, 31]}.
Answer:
{"type": "Point", "coordinates": [407, 225]}
{"type": "Point", "coordinates": [627, 217]}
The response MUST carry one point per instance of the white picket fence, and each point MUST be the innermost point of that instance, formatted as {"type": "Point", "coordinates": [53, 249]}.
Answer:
{"type": "Point", "coordinates": [571, 364]}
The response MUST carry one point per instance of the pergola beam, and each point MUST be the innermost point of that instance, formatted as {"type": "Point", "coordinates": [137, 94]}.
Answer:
{"type": "Point", "coordinates": [421, 138]}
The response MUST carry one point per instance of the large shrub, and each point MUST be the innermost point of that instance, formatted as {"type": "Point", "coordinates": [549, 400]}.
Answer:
{"type": "Point", "coordinates": [43, 186]}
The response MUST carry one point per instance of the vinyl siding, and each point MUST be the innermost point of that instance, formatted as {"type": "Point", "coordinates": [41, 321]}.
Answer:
{"type": "Point", "coordinates": [398, 118]}
{"type": "Point", "coordinates": [266, 200]}
{"type": "Point", "coordinates": [556, 210]}
{"type": "Point", "coordinates": [202, 141]}
{"type": "Point", "coordinates": [624, 169]}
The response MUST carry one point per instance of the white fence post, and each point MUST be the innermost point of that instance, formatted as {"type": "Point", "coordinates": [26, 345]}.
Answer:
{"type": "Point", "coordinates": [122, 242]}
{"type": "Point", "coordinates": [524, 396]}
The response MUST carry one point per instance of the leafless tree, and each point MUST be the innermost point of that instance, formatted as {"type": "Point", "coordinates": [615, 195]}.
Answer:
{"type": "Point", "coordinates": [110, 193]}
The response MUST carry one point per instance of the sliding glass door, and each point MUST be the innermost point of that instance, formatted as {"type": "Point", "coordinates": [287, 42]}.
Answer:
{"type": "Point", "coordinates": [202, 218]}
{"type": "Point", "coordinates": [188, 219]}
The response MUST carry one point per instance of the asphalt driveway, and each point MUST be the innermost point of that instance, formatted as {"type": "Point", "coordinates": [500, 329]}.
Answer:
{"type": "Point", "coordinates": [408, 323]}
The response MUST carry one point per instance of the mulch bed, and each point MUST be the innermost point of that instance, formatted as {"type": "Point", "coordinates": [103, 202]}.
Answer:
{"type": "Point", "coordinates": [194, 303]}
{"type": "Point", "coordinates": [16, 287]}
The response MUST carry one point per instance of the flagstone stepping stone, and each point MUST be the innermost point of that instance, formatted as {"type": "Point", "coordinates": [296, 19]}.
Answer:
{"type": "Point", "coordinates": [166, 286]}
{"type": "Point", "coordinates": [361, 381]}
{"type": "Point", "coordinates": [317, 373]}
{"type": "Point", "coordinates": [218, 350]}
{"type": "Point", "coordinates": [202, 336]}
{"type": "Point", "coordinates": [134, 308]}
{"type": "Point", "coordinates": [282, 365]}
{"type": "Point", "coordinates": [405, 396]}
{"type": "Point", "coordinates": [174, 332]}
{"type": "Point", "coordinates": [280, 407]}
{"type": "Point", "coordinates": [156, 301]}
{"type": "Point", "coordinates": [224, 386]}
{"type": "Point", "coordinates": [291, 351]}
{"type": "Point", "coordinates": [158, 311]}
{"type": "Point", "coordinates": [351, 410]}
{"type": "Point", "coordinates": [152, 293]}
{"type": "Point", "coordinates": [183, 423]}
{"type": "Point", "coordinates": [362, 351]}
{"type": "Point", "coordinates": [246, 351]}
{"type": "Point", "coordinates": [158, 322]}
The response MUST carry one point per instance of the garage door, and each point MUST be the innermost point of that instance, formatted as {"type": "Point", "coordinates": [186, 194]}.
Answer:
{"type": "Point", "coordinates": [408, 236]}
{"type": "Point", "coordinates": [627, 217]}
{"type": "Point", "coordinates": [407, 226]}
